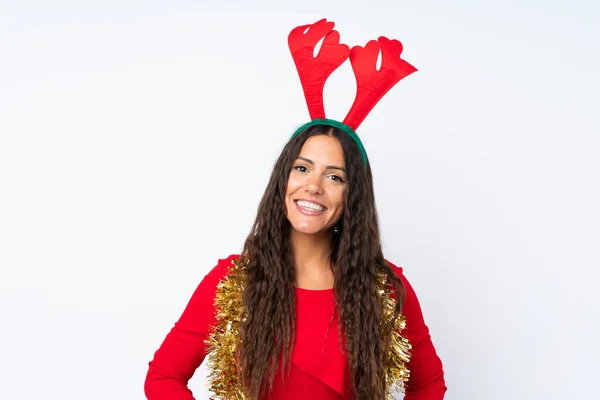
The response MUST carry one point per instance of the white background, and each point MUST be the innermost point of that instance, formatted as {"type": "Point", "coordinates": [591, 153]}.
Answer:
{"type": "Point", "coordinates": [136, 139]}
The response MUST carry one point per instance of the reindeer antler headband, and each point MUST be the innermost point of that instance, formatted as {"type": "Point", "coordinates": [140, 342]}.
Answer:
{"type": "Point", "coordinates": [372, 84]}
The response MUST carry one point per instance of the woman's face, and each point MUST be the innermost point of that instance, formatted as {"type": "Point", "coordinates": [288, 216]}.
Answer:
{"type": "Point", "coordinates": [314, 198]}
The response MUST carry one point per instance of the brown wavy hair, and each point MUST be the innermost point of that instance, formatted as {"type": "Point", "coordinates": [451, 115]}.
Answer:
{"type": "Point", "coordinates": [268, 331]}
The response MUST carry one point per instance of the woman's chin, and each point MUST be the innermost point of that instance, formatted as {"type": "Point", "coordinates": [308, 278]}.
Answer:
{"type": "Point", "coordinates": [309, 230]}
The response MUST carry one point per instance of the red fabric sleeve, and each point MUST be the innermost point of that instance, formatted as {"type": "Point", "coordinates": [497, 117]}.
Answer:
{"type": "Point", "coordinates": [183, 349]}
{"type": "Point", "coordinates": [426, 373]}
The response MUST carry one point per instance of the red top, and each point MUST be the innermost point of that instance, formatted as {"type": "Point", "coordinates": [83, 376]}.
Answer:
{"type": "Point", "coordinates": [319, 369]}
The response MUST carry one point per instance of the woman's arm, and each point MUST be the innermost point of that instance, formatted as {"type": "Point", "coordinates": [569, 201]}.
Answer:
{"type": "Point", "coordinates": [184, 348]}
{"type": "Point", "coordinates": [426, 374]}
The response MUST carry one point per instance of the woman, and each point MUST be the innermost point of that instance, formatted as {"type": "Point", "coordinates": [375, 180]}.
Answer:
{"type": "Point", "coordinates": [311, 310]}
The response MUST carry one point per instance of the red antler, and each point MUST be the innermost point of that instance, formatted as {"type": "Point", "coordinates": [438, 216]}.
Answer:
{"type": "Point", "coordinates": [372, 85]}
{"type": "Point", "coordinates": [314, 71]}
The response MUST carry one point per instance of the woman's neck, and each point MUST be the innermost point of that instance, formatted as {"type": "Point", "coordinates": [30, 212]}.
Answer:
{"type": "Point", "coordinates": [312, 256]}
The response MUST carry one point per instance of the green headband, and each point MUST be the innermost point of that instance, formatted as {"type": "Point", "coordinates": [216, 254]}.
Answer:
{"type": "Point", "coordinates": [336, 124]}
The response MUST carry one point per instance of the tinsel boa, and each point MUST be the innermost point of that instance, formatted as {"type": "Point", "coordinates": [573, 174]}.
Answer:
{"type": "Point", "coordinates": [222, 343]}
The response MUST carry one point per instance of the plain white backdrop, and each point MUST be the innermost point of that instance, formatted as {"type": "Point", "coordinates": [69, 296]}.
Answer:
{"type": "Point", "coordinates": [136, 139]}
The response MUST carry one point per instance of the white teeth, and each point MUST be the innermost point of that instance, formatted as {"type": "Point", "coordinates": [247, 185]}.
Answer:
{"type": "Point", "coordinates": [310, 206]}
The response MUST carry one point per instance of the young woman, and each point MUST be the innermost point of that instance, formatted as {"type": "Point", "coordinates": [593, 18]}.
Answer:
{"type": "Point", "coordinates": [310, 309]}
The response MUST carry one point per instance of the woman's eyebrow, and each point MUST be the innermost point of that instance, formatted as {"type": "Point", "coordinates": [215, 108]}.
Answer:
{"type": "Point", "coordinates": [308, 160]}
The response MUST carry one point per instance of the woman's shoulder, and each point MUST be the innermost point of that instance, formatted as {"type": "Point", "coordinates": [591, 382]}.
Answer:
{"type": "Point", "coordinates": [207, 288]}
{"type": "Point", "coordinates": [400, 273]}
{"type": "Point", "coordinates": [397, 269]}
{"type": "Point", "coordinates": [222, 269]}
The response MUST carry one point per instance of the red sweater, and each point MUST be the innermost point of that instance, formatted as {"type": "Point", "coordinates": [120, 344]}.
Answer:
{"type": "Point", "coordinates": [319, 369]}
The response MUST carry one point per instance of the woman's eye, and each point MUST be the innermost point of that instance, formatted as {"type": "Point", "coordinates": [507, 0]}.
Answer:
{"type": "Point", "coordinates": [337, 178]}
{"type": "Point", "coordinates": [301, 168]}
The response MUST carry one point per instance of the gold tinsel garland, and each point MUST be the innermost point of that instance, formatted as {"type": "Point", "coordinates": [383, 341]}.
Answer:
{"type": "Point", "coordinates": [396, 368]}
{"type": "Point", "coordinates": [223, 341]}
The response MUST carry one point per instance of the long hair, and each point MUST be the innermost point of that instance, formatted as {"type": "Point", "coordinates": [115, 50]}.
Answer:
{"type": "Point", "coordinates": [268, 330]}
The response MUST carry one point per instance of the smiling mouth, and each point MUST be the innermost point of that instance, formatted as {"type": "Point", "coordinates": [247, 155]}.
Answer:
{"type": "Point", "coordinates": [309, 206]}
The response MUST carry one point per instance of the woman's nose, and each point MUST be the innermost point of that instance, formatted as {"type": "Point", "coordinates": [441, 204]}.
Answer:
{"type": "Point", "coordinates": [314, 185]}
